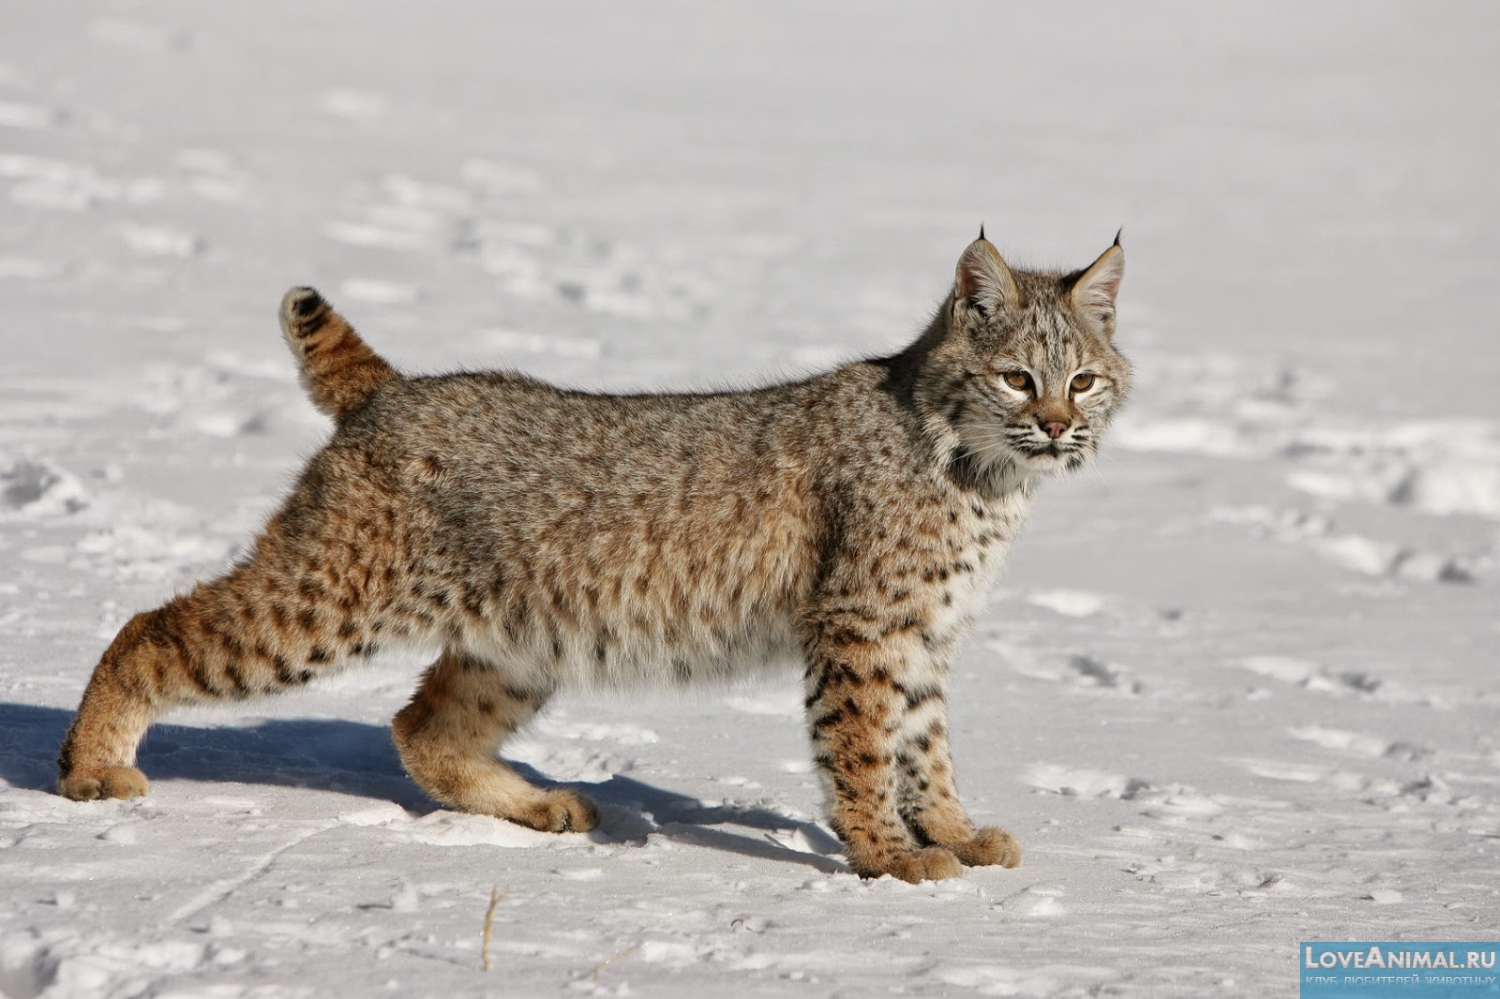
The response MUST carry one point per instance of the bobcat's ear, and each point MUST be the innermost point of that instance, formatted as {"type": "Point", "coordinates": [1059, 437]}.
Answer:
{"type": "Point", "coordinates": [982, 280]}
{"type": "Point", "coordinates": [1095, 290]}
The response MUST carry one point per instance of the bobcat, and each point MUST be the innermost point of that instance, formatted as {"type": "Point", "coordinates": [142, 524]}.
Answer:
{"type": "Point", "coordinates": [547, 538]}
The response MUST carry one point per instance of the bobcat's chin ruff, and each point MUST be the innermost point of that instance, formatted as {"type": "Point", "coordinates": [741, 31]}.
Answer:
{"type": "Point", "coordinates": [549, 539]}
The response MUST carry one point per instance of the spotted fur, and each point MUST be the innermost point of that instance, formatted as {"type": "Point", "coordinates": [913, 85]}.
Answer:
{"type": "Point", "coordinates": [546, 539]}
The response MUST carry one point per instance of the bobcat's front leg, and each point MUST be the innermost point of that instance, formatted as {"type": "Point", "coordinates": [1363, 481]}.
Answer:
{"type": "Point", "coordinates": [855, 710]}
{"type": "Point", "coordinates": [929, 797]}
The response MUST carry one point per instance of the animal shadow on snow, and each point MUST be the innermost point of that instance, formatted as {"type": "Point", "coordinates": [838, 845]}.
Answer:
{"type": "Point", "coordinates": [355, 758]}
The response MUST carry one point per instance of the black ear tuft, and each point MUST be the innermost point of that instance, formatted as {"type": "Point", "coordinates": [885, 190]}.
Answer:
{"type": "Point", "coordinates": [981, 230]}
{"type": "Point", "coordinates": [1117, 235]}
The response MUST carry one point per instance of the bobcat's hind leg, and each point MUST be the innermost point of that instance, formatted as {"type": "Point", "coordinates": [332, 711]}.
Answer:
{"type": "Point", "coordinates": [448, 736]}
{"type": "Point", "coordinates": [211, 644]}
{"type": "Point", "coordinates": [305, 602]}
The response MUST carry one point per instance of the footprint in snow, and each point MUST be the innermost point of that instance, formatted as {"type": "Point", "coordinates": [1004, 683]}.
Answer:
{"type": "Point", "coordinates": [40, 488]}
{"type": "Point", "coordinates": [1310, 676]}
{"type": "Point", "coordinates": [1080, 782]}
{"type": "Point", "coordinates": [1359, 745]}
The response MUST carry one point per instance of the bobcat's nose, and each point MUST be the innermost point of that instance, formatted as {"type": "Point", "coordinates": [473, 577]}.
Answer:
{"type": "Point", "coordinates": [1055, 428]}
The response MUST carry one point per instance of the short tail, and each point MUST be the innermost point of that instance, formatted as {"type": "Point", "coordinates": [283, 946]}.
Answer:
{"type": "Point", "coordinates": [337, 368]}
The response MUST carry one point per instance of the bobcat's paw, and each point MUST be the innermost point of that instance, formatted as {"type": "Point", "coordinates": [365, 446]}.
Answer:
{"type": "Point", "coordinates": [930, 863]}
{"type": "Point", "coordinates": [103, 782]}
{"type": "Point", "coordinates": [559, 810]}
{"type": "Point", "coordinates": [990, 845]}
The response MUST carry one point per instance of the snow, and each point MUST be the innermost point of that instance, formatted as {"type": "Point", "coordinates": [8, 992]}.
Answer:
{"type": "Point", "coordinates": [1237, 690]}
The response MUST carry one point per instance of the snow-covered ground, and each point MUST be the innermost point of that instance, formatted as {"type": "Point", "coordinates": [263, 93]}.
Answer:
{"type": "Point", "coordinates": [1239, 689]}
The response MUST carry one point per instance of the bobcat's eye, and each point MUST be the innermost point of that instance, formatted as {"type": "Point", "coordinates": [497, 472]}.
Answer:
{"type": "Point", "coordinates": [1019, 380]}
{"type": "Point", "coordinates": [1082, 383]}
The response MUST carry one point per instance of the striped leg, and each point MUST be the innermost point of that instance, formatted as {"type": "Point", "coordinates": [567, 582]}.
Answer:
{"type": "Point", "coordinates": [228, 639]}
{"type": "Point", "coordinates": [308, 600]}
{"type": "Point", "coordinates": [929, 797]}
{"type": "Point", "coordinates": [448, 736]}
{"type": "Point", "coordinates": [855, 712]}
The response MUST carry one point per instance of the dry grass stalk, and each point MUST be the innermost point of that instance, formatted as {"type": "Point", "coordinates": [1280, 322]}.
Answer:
{"type": "Point", "coordinates": [489, 924]}
{"type": "Point", "coordinates": [599, 968]}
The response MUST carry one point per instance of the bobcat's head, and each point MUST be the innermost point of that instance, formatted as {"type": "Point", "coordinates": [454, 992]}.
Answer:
{"type": "Point", "coordinates": [1026, 374]}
